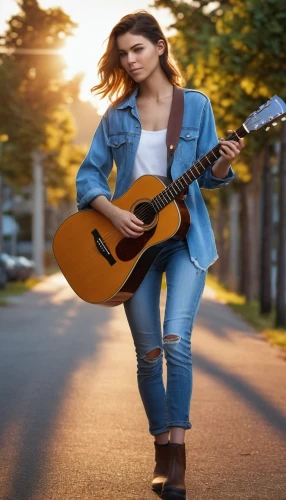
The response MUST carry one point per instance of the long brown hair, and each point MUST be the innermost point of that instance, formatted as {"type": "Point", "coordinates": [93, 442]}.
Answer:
{"type": "Point", "coordinates": [114, 81]}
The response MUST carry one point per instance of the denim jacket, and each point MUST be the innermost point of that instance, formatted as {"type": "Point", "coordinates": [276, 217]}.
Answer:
{"type": "Point", "coordinates": [117, 139]}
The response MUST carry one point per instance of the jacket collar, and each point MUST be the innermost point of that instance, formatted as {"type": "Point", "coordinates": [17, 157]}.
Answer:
{"type": "Point", "coordinates": [130, 101]}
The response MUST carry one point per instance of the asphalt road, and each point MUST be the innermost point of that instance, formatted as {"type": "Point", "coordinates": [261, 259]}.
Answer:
{"type": "Point", "coordinates": [72, 425]}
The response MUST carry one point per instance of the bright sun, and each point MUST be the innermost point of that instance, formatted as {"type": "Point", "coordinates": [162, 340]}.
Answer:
{"type": "Point", "coordinates": [80, 57]}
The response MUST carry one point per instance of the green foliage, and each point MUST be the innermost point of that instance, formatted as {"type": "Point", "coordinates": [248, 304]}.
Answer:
{"type": "Point", "coordinates": [62, 157]}
{"type": "Point", "coordinates": [13, 289]}
{"type": "Point", "coordinates": [235, 52]}
{"type": "Point", "coordinates": [34, 95]}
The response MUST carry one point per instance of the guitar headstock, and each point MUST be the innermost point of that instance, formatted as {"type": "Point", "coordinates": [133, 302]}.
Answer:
{"type": "Point", "coordinates": [266, 114]}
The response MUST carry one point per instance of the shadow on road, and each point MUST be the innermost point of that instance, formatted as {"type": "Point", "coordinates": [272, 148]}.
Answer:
{"type": "Point", "coordinates": [219, 319]}
{"type": "Point", "coordinates": [272, 415]}
{"type": "Point", "coordinates": [222, 323]}
{"type": "Point", "coordinates": [44, 340]}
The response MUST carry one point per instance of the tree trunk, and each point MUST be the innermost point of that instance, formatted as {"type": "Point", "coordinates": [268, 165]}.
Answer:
{"type": "Point", "coordinates": [250, 220]}
{"type": "Point", "coordinates": [281, 254]}
{"type": "Point", "coordinates": [244, 254]}
{"type": "Point", "coordinates": [266, 237]}
{"type": "Point", "coordinates": [222, 223]}
{"type": "Point", "coordinates": [1, 214]}
{"type": "Point", "coordinates": [233, 242]}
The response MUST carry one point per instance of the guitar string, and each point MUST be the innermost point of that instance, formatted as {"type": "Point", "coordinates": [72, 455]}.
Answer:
{"type": "Point", "coordinates": [149, 209]}
{"type": "Point", "coordinates": [146, 210]}
{"type": "Point", "coordinates": [160, 196]}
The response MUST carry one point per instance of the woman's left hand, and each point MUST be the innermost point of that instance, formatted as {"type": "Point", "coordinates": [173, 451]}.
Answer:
{"type": "Point", "coordinates": [230, 149]}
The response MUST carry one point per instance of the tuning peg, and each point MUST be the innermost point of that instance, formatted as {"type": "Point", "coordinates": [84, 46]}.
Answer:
{"type": "Point", "coordinates": [267, 128]}
{"type": "Point", "coordinates": [274, 124]}
{"type": "Point", "coordinates": [283, 119]}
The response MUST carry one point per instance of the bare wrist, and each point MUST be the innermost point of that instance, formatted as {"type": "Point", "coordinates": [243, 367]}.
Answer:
{"type": "Point", "coordinates": [220, 168]}
{"type": "Point", "coordinates": [112, 211]}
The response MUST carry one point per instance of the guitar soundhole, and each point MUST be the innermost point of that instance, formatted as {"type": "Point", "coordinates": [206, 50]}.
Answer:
{"type": "Point", "coordinates": [145, 212]}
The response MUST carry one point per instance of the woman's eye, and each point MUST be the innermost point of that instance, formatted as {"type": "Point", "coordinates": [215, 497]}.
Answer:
{"type": "Point", "coordinates": [138, 49]}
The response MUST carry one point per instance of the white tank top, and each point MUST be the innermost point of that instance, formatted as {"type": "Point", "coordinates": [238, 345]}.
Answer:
{"type": "Point", "coordinates": [151, 157]}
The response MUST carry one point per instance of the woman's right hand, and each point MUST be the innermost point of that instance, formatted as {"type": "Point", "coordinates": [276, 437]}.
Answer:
{"type": "Point", "coordinates": [126, 222]}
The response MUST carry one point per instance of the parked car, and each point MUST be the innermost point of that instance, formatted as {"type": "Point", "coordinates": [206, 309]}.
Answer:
{"type": "Point", "coordinates": [9, 266]}
{"type": "Point", "coordinates": [27, 265]}
{"type": "Point", "coordinates": [3, 276]}
{"type": "Point", "coordinates": [17, 268]}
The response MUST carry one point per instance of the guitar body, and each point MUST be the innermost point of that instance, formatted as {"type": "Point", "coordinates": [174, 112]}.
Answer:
{"type": "Point", "coordinates": [100, 264]}
{"type": "Point", "coordinates": [104, 267]}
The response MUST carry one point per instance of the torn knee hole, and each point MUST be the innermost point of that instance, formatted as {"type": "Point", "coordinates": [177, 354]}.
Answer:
{"type": "Point", "coordinates": [171, 339]}
{"type": "Point", "coordinates": [155, 353]}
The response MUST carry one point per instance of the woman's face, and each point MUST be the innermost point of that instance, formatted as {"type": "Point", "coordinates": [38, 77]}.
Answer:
{"type": "Point", "coordinates": [138, 56]}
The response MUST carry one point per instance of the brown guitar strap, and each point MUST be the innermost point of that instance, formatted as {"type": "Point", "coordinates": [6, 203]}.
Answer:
{"type": "Point", "coordinates": [174, 125]}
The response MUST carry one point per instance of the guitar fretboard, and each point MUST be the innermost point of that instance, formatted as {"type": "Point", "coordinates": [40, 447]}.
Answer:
{"type": "Point", "coordinates": [193, 173]}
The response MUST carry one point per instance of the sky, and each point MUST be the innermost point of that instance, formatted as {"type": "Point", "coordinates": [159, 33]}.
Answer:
{"type": "Point", "coordinates": [94, 25]}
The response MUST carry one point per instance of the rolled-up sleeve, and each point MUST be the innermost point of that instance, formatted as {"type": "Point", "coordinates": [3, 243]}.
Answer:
{"type": "Point", "coordinates": [208, 139]}
{"type": "Point", "coordinates": [91, 179]}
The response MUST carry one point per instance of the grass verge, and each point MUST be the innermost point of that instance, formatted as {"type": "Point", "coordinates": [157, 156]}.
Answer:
{"type": "Point", "coordinates": [14, 288]}
{"type": "Point", "coordinates": [250, 312]}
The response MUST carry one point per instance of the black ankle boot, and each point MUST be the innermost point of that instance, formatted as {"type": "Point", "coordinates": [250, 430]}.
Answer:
{"type": "Point", "coordinates": [160, 471]}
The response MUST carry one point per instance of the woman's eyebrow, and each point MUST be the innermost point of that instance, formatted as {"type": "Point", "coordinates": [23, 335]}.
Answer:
{"type": "Point", "coordinates": [133, 47]}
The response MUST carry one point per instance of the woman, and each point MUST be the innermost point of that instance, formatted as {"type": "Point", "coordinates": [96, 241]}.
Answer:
{"type": "Point", "coordinates": [138, 75]}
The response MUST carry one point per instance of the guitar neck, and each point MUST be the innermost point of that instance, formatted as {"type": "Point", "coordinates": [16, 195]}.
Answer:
{"type": "Point", "coordinates": [193, 173]}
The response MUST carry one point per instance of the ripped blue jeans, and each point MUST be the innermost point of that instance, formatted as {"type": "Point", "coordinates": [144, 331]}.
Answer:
{"type": "Point", "coordinates": [170, 406]}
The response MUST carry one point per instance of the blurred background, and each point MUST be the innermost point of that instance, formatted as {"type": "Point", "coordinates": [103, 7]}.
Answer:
{"type": "Point", "coordinates": [233, 50]}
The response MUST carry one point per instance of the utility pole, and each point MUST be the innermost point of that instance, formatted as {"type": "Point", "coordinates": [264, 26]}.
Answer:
{"type": "Point", "coordinates": [3, 138]}
{"type": "Point", "coordinates": [38, 214]}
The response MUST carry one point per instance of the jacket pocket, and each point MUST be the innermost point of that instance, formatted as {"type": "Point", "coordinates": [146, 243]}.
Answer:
{"type": "Point", "coordinates": [188, 144]}
{"type": "Point", "coordinates": [118, 144]}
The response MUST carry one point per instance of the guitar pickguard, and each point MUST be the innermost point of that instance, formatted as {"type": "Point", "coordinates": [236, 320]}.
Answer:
{"type": "Point", "coordinates": [128, 248]}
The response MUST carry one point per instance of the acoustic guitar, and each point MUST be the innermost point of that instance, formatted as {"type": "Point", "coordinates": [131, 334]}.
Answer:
{"type": "Point", "coordinates": [104, 267]}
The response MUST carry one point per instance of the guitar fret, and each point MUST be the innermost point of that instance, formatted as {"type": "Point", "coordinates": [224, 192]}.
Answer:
{"type": "Point", "coordinates": [167, 194]}
{"type": "Point", "coordinates": [156, 202]}
{"type": "Point", "coordinates": [212, 151]}
{"type": "Point", "coordinates": [173, 187]}
{"type": "Point", "coordinates": [160, 200]}
{"type": "Point", "coordinates": [177, 186]}
{"type": "Point", "coordinates": [186, 173]}
{"type": "Point", "coordinates": [197, 169]}
{"type": "Point", "coordinates": [185, 180]}
{"type": "Point", "coordinates": [210, 162]}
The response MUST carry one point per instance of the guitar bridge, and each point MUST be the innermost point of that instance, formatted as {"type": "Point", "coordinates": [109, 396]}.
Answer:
{"type": "Point", "coordinates": [102, 247]}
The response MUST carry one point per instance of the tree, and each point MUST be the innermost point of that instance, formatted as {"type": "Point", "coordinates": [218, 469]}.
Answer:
{"type": "Point", "coordinates": [281, 257]}
{"type": "Point", "coordinates": [255, 30]}
{"type": "Point", "coordinates": [33, 89]}
{"type": "Point", "coordinates": [266, 235]}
